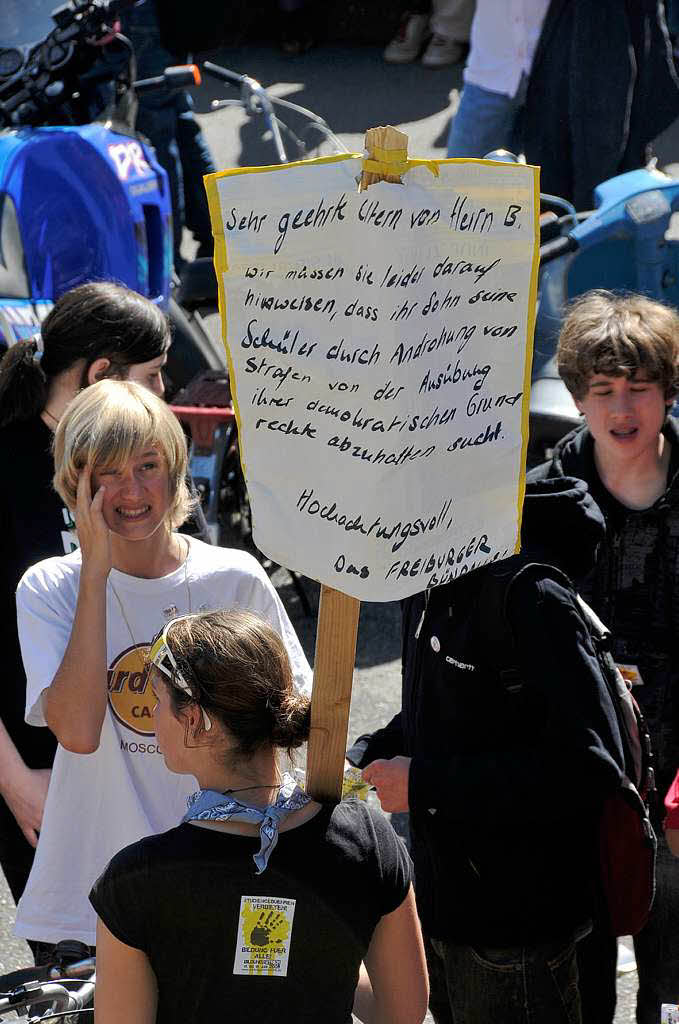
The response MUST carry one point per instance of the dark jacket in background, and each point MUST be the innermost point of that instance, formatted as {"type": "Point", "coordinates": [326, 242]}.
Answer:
{"type": "Point", "coordinates": [602, 87]}
{"type": "Point", "coordinates": [504, 789]}
{"type": "Point", "coordinates": [634, 588]}
{"type": "Point", "coordinates": [190, 26]}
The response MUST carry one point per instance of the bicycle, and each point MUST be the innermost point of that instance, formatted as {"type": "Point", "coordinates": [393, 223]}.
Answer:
{"type": "Point", "coordinates": [44, 993]}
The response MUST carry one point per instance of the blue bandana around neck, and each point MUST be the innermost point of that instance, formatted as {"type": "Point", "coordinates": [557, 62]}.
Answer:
{"type": "Point", "coordinates": [209, 805]}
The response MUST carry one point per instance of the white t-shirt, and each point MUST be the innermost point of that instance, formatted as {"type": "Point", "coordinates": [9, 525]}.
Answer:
{"type": "Point", "coordinates": [504, 37]}
{"type": "Point", "coordinates": [98, 803]}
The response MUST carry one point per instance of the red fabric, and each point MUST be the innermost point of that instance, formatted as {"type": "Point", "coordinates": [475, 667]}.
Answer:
{"type": "Point", "coordinates": [672, 805]}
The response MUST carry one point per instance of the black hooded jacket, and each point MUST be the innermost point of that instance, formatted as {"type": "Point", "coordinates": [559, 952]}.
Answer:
{"type": "Point", "coordinates": [633, 585]}
{"type": "Point", "coordinates": [504, 788]}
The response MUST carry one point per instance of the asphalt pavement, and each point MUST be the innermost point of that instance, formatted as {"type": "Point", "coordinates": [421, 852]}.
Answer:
{"type": "Point", "coordinates": [353, 90]}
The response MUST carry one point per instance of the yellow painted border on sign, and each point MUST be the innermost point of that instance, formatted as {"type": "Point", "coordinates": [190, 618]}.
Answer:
{"type": "Point", "coordinates": [222, 265]}
{"type": "Point", "coordinates": [530, 336]}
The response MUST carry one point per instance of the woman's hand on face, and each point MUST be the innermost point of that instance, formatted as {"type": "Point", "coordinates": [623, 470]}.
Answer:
{"type": "Point", "coordinates": [93, 533]}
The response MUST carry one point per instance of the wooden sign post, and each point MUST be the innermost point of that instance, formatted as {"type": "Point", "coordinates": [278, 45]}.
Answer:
{"type": "Point", "coordinates": [331, 695]}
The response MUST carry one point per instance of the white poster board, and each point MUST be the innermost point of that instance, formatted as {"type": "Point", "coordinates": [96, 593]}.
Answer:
{"type": "Point", "coordinates": [379, 348]}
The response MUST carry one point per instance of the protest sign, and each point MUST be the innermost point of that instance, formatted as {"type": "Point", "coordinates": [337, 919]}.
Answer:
{"type": "Point", "coordinates": [379, 349]}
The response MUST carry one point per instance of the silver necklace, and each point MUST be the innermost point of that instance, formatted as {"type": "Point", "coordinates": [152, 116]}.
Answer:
{"type": "Point", "coordinates": [169, 612]}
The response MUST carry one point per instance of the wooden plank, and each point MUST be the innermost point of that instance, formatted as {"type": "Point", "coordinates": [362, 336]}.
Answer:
{"type": "Point", "coordinates": [331, 697]}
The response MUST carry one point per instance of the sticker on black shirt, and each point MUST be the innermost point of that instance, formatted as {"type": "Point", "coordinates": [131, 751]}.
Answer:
{"type": "Point", "coordinates": [264, 936]}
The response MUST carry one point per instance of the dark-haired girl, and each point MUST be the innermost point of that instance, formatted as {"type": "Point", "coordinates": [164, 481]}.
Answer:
{"type": "Point", "coordinates": [262, 901]}
{"type": "Point", "coordinates": [97, 330]}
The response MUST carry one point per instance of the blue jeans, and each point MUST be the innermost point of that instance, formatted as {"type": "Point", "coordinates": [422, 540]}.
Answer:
{"type": "Point", "coordinates": [519, 985]}
{"type": "Point", "coordinates": [167, 119]}
{"type": "Point", "coordinates": [657, 946]}
{"type": "Point", "coordinates": [486, 120]}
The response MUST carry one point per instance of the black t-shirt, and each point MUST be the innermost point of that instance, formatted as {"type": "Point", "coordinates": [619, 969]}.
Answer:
{"type": "Point", "coordinates": [192, 901]}
{"type": "Point", "coordinates": [33, 525]}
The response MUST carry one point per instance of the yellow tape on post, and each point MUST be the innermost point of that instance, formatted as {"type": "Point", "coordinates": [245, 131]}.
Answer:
{"type": "Point", "coordinates": [387, 150]}
{"type": "Point", "coordinates": [395, 161]}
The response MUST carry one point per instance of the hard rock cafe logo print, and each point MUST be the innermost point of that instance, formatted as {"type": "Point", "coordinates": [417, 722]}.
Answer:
{"type": "Point", "coordinates": [129, 690]}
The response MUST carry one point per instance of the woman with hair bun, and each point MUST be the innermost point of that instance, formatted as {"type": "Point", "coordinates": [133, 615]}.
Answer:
{"type": "Point", "coordinates": [94, 331]}
{"type": "Point", "coordinates": [262, 900]}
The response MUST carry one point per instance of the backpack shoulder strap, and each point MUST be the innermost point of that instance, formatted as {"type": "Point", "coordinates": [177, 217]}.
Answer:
{"type": "Point", "coordinates": [503, 655]}
{"type": "Point", "coordinates": [636, 740]}
{"type": "Point", "coordinates": [598, 630]}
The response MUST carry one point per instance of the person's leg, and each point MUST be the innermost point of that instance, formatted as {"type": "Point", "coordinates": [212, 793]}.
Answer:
{"type": "Point", "coordinates": [196, 161]}
{"type": "Point", "coordinates": [16, 853]}
{"type": "Point", "coordinates": [157, 113]}
{"type": "Point", "coordinates": [295, 18]}
{"type": "Point", "coordinates": [520, 985]}
{"type": "Point", "coordinates": [484, 121]}
{"type": "Point", "coordinates": [439, 1002]}
{"type": "Point", "coordinates": [452, 19]}
{"type": "Point", "coordinates": [16, 860]}
{"type": "Point", "coordinates": [412, 33]}
{"type": "Point", "coordinates": [450, 25]}
{"type": "Point", "coordinates": [43, 953]}
{"type": "Point", "coordinates": [657, 946]}
{"type": "Point", "coordinates": [597, 959]}
{"type": "Point", "coordinates": [159, 125]}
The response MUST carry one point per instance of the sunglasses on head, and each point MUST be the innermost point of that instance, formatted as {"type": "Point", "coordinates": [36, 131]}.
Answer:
{"type": "Point", "coordinates": [162, 658]}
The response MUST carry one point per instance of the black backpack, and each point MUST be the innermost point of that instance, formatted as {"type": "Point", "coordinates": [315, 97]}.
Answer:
{"type": "Point", "coordinates": [627, 843]}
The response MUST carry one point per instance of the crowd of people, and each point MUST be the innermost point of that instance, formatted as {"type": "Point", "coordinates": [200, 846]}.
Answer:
{"type": "Point", "coordinates": [147, 659]}
{"type": "Point", "coordinates": [142, 660]}
{"type": "Point", "coordinates": [505, 785]}
{"type": "Point", "coordinates": [522, 58]}
{"type": "Point", "coordinates": [531, 70]}
{"type": "Point", "coordinates": [127, 722]}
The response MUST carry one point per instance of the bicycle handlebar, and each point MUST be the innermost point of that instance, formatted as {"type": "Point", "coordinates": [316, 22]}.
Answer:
{"type": "Point", "coordinates": [48, 991]}
{"type": "Point", "coordinates": [178, 76]}
{"type": "Point", "coordinates": [552, 250]}
{"type": "Point", "coordinates": [54, 991]}
{"type": "Point", "coordinates": [252, 90]}
{"type": "Point", "coordinates": [223, 73]}
{"type": "Point", "coordinates": [256, 100]}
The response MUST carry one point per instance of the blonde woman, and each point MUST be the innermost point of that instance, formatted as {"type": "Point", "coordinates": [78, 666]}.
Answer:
{"type": "Point", "coordinates": [96, 330]}
{"type": "Point", "coordinates": [85, 624]}
{"type": "Point", "coordinates": [262, 904]}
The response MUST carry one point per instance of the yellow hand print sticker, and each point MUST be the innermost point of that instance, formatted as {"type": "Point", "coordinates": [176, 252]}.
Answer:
{"type": "Point", "coordinates": [264, 928]}
{"type": "Point", "coordinates": [264, 935]}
